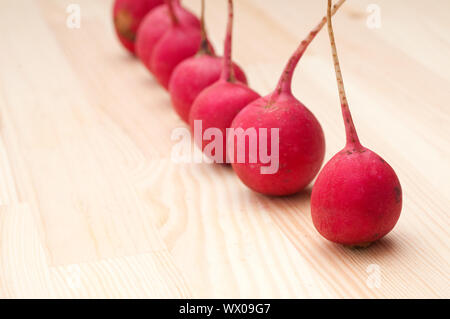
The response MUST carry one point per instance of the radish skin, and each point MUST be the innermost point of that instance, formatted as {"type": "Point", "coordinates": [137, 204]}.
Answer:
{"type": "Point", "coordinates": [301, 139]}
{"type": "Point", "coordinates": [357, 197]}
{"type": "Point", "coordinates": [217, 105]}
{"type": "Point", "coordinates": [178, 43]}
{"type": "Point", "coordinates": [155, 24]}
{"type": "Point", "coordinates": [128, 15]}
{"type": "Point", "coordinates": [195, 74]}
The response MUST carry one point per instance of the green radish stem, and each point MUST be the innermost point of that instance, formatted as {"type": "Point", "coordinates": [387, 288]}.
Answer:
{"type": "Point", "coordinates": [350, 131]}
{"type": "Point", "coordinates": [227, 72]}
{"type": "Point", "coordinates": [204, 46]}
{"type": "Point", "coordinates": [173, 17]}
{"type": "Point", "coordinates": [285, 82]}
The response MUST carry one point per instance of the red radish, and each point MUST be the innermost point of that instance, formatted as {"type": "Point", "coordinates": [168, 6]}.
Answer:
{"type": "Point", "coordinates": [301, 142]}
{"type": "Point", "coordinates": [155, 24]}
{"type": "Point", "coordinates": [128, 15]}
{"type": "Point", "coordinates": [357, 198]}
{"type": "Point", "coordinates": [217, 105]}
{"type": "Point", "coordinates": [178, 43]}
{"type": "Point", "coordinates": [195, 74]}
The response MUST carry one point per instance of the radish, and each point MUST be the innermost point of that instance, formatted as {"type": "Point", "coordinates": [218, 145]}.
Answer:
{"type": "Point", "coordinates": [155, 24]}
{"type": "Point", "coordinates": [216, 106]}
{"type": "Point", "coordinates": [357, 197]}
{"type": "Point", "coordinates": [178, 43]}
{"type": "Point", "coordinates": [301, 142]}
{"type": "Point", "coordinates": [128, 15]}
{"type": "Point", "coordinates": [195, 74]}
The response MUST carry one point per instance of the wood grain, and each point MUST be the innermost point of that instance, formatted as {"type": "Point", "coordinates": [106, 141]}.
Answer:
{"type": "Point", "coordinates": [91, 204]}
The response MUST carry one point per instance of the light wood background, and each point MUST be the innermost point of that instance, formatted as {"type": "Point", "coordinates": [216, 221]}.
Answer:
{"type": "Point", "coordinates": [92, 205]}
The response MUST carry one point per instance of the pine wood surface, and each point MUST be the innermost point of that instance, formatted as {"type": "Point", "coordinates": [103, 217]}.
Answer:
{"type": "Point", "coordinates": [91, 204]}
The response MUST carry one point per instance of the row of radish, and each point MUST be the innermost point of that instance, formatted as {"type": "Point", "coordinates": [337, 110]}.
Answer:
{"type": "Point", "coordinates": [357, 197]}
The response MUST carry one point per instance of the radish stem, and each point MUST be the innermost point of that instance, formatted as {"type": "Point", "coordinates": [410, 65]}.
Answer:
{"type": "Point", "coordinates": [204, 46]}
{"type": "Point", "coordinates": [350, 131]}
{"type": "Point", "coordinates": [285, 82]}
{"type": "Point", "coordinates": [227, 72]}
{"type": "Point", "coordinates": [173, 17]}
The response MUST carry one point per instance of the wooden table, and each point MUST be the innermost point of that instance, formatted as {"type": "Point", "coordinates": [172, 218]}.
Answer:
{"type": "Point", "coordinates": [93, 206]}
